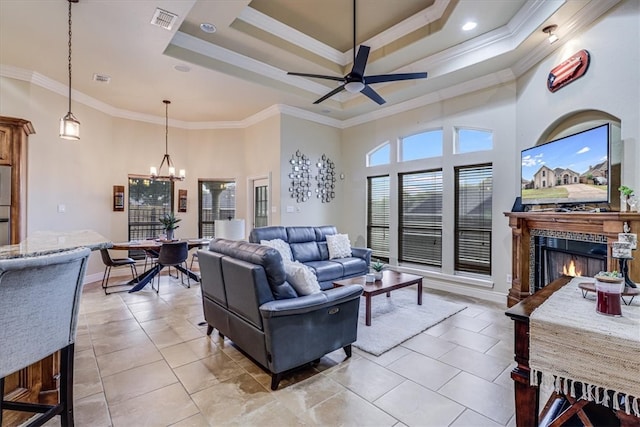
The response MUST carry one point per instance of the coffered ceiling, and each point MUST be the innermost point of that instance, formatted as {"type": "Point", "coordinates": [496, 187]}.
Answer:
{"type": "Point", "coordinates": [226, 77]}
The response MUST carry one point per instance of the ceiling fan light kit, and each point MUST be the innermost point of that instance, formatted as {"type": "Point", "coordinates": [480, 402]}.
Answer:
{"type": "Point", "coordinates": [356, 81]}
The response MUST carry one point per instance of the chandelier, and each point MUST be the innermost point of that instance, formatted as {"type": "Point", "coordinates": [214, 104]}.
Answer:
{"type": "Point", "coordinates": [156, 173]}
{"type": "Point", "coordinates": [69, 125]}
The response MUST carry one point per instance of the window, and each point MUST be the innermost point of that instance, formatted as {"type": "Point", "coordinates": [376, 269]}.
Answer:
{"type": "Point", "coordinates": [421, 146]}
{"type": "Point", "coordinates": [473, 195]}
{"type": "Point", "coordinates": [378, 216]}
{"type": "Point", "coordinates": [148, 201]}
{"type": "Point", "coordinates": [420, 239]}
{"type": "Point", "coordinates": [380, 155]}
{"type": "Point", "coordinates": [470, 140]}
{"type": "Point", "coordinates": [216, 201]}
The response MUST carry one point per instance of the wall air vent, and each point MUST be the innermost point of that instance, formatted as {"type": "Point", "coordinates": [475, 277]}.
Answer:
{"type": "Point", "coordinates": [164, 19]}
{"type": "Point", "coordinates": [101, 78]}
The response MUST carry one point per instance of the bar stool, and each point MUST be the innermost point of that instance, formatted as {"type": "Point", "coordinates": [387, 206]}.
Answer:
{"type": "Point", "coordinates": [173, 254]}
{"type": "Point", "coordinates": [39, 301]}
{"type": "Point", "coordinates": [110, 263]}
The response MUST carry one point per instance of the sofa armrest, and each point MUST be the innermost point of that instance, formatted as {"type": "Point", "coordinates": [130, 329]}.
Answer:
{"type": "Point", "coordinates": [364, 253]}
{"type": "Point", "coordinates": [310, 303]}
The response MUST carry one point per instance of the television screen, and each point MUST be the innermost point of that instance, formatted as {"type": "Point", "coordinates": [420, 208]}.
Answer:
{"type": "Point", "coordinates": [569, 170]}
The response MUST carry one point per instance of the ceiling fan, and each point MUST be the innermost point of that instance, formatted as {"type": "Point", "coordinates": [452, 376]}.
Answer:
{"type": "Point", "coordinates": [356, 81]}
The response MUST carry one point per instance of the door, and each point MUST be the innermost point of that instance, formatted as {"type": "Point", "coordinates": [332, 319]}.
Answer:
{"type": "Point", "coordinates": [260, 202]}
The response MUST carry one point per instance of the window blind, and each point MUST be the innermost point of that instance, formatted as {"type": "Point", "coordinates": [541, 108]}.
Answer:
{"type": "Point", "coordinates": [378, 216]}
{"type": "Point", "coordinates": [473, 195]}
{"type": "Point", "coordinates": [420, 237]}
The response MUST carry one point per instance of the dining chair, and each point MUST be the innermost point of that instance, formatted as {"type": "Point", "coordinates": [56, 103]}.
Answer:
{"type": "Point", "coordinates": [39, 301]}
{"type": "Point", "coordinates": [173, 254]}
{"type": "Point", "coordinates": [110, 263]}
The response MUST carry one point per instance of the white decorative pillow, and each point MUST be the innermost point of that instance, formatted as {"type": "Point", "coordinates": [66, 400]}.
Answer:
{"type": "Point", "coordinates": [302, 278]}
{"type": "Point", "coordinates": [281, 246]}
{"type": "Point", "coordinates": [339, 246]}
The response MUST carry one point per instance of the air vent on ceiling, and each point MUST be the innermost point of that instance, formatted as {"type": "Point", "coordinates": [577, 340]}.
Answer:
{"type": "Point", "coordinates": [164, 19]}
{"type": "Point", "coordinates": [101, 78]}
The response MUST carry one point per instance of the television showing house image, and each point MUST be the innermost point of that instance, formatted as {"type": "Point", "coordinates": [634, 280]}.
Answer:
{"type": "Point", "coordinates": [568, 171]}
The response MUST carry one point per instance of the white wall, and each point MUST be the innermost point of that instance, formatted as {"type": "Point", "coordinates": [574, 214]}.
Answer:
{"type": "Point", "coordinates": [313, 140]}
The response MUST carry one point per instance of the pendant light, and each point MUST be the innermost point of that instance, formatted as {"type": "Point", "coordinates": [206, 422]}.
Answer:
{"type": "Point", "coordinates": [69, 125]}
{"type": "Point", "coordinates": [156, 173]}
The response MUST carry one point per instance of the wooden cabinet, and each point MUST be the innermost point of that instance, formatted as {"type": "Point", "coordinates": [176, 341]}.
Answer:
{"type": "Point", "coordinates": [14, 135]}
{"type": "Point", "coordinates": [37, 383]}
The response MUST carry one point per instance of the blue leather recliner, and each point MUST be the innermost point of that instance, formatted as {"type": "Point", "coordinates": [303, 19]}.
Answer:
{"type": "Point", "coordinates": [246, 298]}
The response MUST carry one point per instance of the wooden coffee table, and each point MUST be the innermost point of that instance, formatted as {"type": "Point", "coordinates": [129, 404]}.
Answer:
{"type": "Point", "coordinates": [391, 280]}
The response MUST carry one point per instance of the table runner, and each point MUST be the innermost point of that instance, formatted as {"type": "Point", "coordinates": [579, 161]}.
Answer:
{"type": "Point", "coordinates": [570, 343]}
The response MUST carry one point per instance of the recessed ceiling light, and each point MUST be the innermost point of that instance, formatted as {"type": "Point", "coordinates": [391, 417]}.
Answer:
{"type": "Point", "coordinates": [469, 26]}
{"type": "Point", "coordinates": [183, 68]}
{"type": "Point", "coordinates": [208, 28]}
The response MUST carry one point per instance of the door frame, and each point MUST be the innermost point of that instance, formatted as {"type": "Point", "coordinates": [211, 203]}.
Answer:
{"type": "Point", "coordinates": [251, 184]}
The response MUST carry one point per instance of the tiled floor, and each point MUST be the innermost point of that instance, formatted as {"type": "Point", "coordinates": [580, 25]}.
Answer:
{"type": "Point", "coordinates": [143, 360]}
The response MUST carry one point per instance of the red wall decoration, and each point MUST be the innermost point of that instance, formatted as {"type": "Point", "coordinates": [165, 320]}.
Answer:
{"type": "Point", "coordinates": [568, 71]}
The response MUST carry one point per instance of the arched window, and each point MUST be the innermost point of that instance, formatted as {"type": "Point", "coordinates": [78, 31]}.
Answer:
{"type": "Point", "coordinates": [421, 145]}
{"type": "Point", "coordinates": [380, 155]}
{"type": "Point", "coordinates": [470, 140]}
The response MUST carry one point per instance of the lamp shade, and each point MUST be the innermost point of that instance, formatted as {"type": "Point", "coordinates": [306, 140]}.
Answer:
{"type": "Point", "coordinates": [232, 229]}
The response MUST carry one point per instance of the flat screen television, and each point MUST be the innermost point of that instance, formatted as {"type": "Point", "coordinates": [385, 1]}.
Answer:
{"type": "Point", "coordinates": [567, 171]}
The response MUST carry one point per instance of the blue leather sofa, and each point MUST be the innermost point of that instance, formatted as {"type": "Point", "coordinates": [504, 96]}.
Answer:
{"type": "Point", "coordinates": [309, 246]}
{"type": "Point", "coordinates": [246, 298]}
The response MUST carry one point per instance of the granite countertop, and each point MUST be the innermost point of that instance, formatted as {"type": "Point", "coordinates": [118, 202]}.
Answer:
{"type": "Point", "coordinates": [46, 242]}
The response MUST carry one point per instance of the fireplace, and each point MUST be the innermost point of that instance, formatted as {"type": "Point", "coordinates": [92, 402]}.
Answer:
{"type": "Point", "coordinates": [600, 228]}
{"type": "Point", "coordinates": [554, 257]}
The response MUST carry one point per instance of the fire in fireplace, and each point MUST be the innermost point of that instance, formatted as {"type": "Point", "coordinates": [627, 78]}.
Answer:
{"type": "Point", "coordinates": [555, 257]}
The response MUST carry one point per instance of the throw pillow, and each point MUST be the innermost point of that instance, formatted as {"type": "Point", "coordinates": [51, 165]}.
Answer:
{"type": "Point", "coordinates": [281, 246]}
{"type": "Point", "coordinates": [339, 246]}
{"type": "Point", "coordinates": [303, 280]}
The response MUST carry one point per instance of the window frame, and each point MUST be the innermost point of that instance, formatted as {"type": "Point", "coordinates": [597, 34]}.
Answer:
{"type": "Point", "coordinates": [401, 148]}
{"type": "Point", "coordinates": [379, 253]}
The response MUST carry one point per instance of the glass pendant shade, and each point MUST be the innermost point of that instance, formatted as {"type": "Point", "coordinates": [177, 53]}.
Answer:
{"type": "Point", "coordinates": [354, 87]}
{"type": "Point", "coordinates": [69, 127]}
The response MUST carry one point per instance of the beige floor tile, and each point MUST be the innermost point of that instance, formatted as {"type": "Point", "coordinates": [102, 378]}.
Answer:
{"type": "Point", "coordinates": [137, 381]}
{"type": "Point", "coordinates": [86, 376]}
{"type": "Point", "coordinates": [415, 405]}
{"type": "Point", "coordinates": [110, 344]}
{"type": "Point", "coordinates": [204, 346]}
{"type": "Point", "coordinates": [121, 360]}
{"type": "Point", "coordinates": [469, 339]}
{"type": "Point", "coordinates": [114, 329]}
{"type": "Point", "coordinates": [304, 395]}
{"type": "Point", "coordinates": [385, 358]}
{"type": "Point", "coordinates": [271, 414]}
{"type": "Point", "coordinates": [473, 419]}
{"type": "Point", "coordinates": [474, 362]}
{"type": "Point", "coordinates": [161, 407]}
{"type": "Point", "coordinates": [504, 379]}
{"type": "Point", "coordinates": [472, 392]}
{"type": "Point", "coordinates": [472, 324]}
{"type": "Point", "coordinates": [366, 379]}
{"type": "Point", "coordinates": [228, 401]}
{"type": "Point", "coordinates": [424, 370]}
{"type": "Point", "coordinates": [502, 350]}
{"type": "Point", "coordinates": [92, 411]}
{"type": "Point", "coordinates": [197, 420]}
{"type": "Point", "coordinates": [429, 345]}
{"type": "Point", "coordinates": [206, 372]}
{"type": "Point", "coordinates": [499, 330]}
{"type": "Point", "coordinates": [348, 409]}
{"type": "Point", "coordinates": [106, 316]}
{"type": "Point", "coordinates": [178, 355]}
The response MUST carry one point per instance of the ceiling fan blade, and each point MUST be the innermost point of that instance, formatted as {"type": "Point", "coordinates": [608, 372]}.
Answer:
{"type": "Point", "coordinates": [373, 95]}
{"type": "Point", "coordinates": [318, 76]}
{"type": "Point", "coordinates": [361, 60]}
{"type": "Point", "coordinates": [394, 77]}
{"type": "Point", "coordinates": [330, 94]}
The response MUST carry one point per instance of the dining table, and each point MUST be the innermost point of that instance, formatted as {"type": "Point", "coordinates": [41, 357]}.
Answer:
{"type": "Point", "coordinates": [152, 247]}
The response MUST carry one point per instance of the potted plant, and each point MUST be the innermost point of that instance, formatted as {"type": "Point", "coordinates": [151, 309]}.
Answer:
{"type": "Point", "coordinates": [625, 193]}
{"type": "Point", "coordinates": [377, 267]}
{"type": "Point", "coordinates": [169, 221]}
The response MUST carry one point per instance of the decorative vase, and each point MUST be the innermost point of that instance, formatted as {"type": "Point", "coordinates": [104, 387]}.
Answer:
{"type": "Point", "coordinates": [623, 202]}
{"type": "Point", "coordinates": [608, 292]}
{"type": "Point", "coordinates": [378, 275]}
{"type": "Point", "coordinates": [169, 232]}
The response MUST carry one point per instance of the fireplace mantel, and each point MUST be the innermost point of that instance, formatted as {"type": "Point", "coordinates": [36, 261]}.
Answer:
{"type": "Point", "coordinates": [607, 224]}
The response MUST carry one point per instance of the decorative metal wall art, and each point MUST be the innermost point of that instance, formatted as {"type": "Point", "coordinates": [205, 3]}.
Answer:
{"type": "Point", "coordinates": [300, 188]}
{"type": "Point", "coordinates": [326, 179]}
